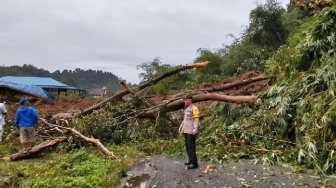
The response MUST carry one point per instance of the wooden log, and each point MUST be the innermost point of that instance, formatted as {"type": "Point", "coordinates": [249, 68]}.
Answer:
{"type": "Point", "coordinates": [142, 86]}
{"type": "Point", "coordinates": [235, 84]}
{"type": "Point", "coordinates": [35, 149]}
{"type": "Point", "coordinates": [179, 104]}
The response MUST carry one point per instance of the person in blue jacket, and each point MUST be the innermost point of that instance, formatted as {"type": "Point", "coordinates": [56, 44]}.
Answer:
{"type": "Point", "coordinates": [26, 118]}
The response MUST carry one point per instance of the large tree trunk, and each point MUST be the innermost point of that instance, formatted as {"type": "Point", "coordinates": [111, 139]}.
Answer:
{"type": "Point", "coordinates": [176, 103]}
{"type": "Point", "coordinates": [179, 103]}
{"type": "Point", "coordinates": [235, 84]}
{"type": "Point", "coordinates": [142, 86]}
{"type": "Point", "coordinates": [35, 149]}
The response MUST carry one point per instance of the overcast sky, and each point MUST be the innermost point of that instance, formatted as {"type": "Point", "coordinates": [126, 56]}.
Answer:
{"type": "Point", "coordinates": [116, 36]}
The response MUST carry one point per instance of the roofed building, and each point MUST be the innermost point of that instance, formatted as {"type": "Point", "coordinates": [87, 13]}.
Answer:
{"type": "Point", "coordinates": [98, 92]}
{"type": "Point", "coordinates": [43, 87]}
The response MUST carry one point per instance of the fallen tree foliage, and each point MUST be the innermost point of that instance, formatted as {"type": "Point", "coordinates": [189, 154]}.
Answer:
{"type": "Point", "coordinates": [95, 141]}
{"type": "Point", "coordinates": [210, 93]}
{"type": "Point", "coordinates": [142, 86]}
{"type": "Point", "coordinates": [237, 90]}
{"type": "Point", "coordinates": [214, 92]}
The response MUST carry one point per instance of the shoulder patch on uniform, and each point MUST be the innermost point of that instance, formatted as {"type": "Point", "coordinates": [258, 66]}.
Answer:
{"type": "Point", "coordinates": [196, 113]}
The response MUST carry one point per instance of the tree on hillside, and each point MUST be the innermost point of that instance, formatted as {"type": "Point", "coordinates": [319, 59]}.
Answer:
{"type": "Point", "coordinates": [266, 32]}
{"type": "Point", "coordinates": [298, 110]}
{"type": "Point", "coordinates": [151, 69]}
{"type": "Point", "coordinates": [212, 72]}
{"type": "Point", "coordinates": [266, 27]}
{"type": "Point", "coordinates": [155, 68]}
{"type": "Point", "coordinates": [69, 81]}
{"type": "Point", "coordinates": [242, 57]}
{"type": "Point", "coordinates": [25, 70]}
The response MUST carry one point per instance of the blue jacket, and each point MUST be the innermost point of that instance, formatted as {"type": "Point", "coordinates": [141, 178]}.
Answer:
{"type": "Point", "coordinates": [26, 116]}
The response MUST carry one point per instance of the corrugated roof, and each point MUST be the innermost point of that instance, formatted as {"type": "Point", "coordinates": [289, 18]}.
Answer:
{"type": "Point", "coordinates": [38, 81]}
{"type": "Point", "coordinates": [31, 89]}
{"type": "Point", "coordinates": [44, 82]}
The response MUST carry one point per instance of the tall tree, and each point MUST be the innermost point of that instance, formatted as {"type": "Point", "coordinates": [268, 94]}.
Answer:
{"type": "Point", "coordinates": [155, 68]}
{"type": "Point", "coordinates": [212, 72]}
{"type": "Point", "coordinates": [266, 27]}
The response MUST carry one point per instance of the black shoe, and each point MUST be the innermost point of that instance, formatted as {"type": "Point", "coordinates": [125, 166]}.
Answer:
{"type": "Point", "coordinates": [192, 166]}
{"type": "Point", "coordinates": [188, 163]}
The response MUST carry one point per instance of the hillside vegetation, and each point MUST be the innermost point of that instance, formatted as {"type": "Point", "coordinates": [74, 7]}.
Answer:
{"type": "Point", "coordinates": [295, 119]}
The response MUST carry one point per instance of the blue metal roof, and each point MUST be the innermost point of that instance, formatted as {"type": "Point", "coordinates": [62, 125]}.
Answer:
{"type": "Point", "coordinates": [31, 89]}
{"type": "Point", "coordinates": [38, 81]}
{"type": "Point", "coordinates": [44, 82]}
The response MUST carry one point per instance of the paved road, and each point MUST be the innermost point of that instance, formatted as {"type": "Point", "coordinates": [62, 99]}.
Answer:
{"type": "Point", "coordinates": [167, 172]}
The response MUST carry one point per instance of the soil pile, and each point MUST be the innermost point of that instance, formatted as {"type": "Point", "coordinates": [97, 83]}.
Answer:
{"type": "Point", "coordinates": [46, 109]}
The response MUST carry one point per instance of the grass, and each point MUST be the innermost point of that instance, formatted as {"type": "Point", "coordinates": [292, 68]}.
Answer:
{"type": "Point", "coordinates": [85, 167]}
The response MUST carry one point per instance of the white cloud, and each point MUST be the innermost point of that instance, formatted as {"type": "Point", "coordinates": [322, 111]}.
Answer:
{"type": "Point", "coordinates": [112, 35]}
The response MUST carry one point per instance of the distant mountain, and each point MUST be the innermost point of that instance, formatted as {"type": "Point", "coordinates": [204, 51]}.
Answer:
{"type": "Point", "coordinates": [83, 79]}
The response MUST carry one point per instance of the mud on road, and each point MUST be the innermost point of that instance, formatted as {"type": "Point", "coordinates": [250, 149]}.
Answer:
{"type": "Point", "coordinates": [168, 172]}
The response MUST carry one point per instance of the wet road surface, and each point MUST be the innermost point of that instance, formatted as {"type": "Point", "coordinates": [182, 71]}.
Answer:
{"type": "Point", "coordinates": [168, 172]}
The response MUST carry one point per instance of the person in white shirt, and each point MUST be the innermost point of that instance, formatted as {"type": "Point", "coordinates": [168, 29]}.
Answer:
{"type": "Point", "coordinates": [3, 112]}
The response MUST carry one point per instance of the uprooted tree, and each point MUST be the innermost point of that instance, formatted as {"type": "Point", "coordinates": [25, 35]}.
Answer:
{"type": "Point", "coordinates": [237, 99]}
{"type": "Point", "coordinates": [36, 149]}
{"type": "Point", "coordinates": [245, 88]}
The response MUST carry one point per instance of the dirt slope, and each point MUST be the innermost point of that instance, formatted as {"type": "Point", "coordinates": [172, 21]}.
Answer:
{"type": "Point", "coordinates": [46, 109]}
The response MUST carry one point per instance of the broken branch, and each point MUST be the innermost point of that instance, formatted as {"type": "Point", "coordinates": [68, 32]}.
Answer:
{"type": "Point", "coordinates": [97, 142]}
{"type": "Point", "coordinates": [142, 86]}
{"type": "Point", "coordinates": [179, 104]}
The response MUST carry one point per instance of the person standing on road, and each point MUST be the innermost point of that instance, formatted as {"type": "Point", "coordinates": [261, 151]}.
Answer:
{"type": "Point", "coordinates": [188, 129]}
{"type": "Point", "coordinates": [25, 119]}
{"type": "Point", "coordinates": [3, 112]}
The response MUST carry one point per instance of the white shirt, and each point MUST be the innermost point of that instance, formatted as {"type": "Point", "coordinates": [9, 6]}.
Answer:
{"type": "Point", "coordinates": [191, 120]}
{"type": "Point", "coordinates": [2, 111]}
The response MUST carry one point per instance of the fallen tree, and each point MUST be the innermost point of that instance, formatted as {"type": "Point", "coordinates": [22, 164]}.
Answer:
{"type": "Point", "coordinates": [179, 103]}
{"type": "Point", "coordinates": [211, 93]}
{"type": "Point", "coordinates": [235, 84]}
{"type": "Point", "coordinates": [120, 94]}
{"type": "Point", "coordinates": [244, 88]}
{"type": "Point", "coordinates": [200, 95]}
{"type": "Point", "coordinates": [95, 141]}
{"type": "Point", "coordinates": [36, 149]}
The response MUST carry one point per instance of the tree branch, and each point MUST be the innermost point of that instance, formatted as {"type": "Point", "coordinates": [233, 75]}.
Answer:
{"type": "Point", "coordinates": [100, 146]}
{"type": "Point", "coordinates": [179, 103]}
{"type": "Point", "coordinates": [35, 149]}
{"type": "Point", "coordinates": [142, 86]}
